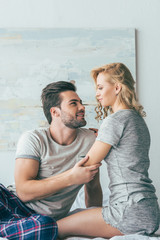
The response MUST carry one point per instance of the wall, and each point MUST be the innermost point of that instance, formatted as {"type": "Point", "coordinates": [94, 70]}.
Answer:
{"type": "Point", "coordinates": [140, 14]}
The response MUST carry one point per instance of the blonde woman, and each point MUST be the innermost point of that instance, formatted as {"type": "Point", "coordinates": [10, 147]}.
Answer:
{"type": "Point", "coordinates": [123, 142]}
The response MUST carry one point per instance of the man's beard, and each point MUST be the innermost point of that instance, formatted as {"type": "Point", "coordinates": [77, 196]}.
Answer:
{"type": "Point", "coordinates": [70, 122]}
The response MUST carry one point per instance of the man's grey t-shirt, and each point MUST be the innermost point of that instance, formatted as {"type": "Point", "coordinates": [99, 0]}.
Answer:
{"type": "Point", "coordinates": [54, 159]}
{"type": "Point", "coordinates": [127, 160]}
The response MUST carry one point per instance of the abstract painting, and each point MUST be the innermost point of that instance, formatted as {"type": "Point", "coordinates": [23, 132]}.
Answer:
{"type": "Point", "coordinates": [32, 58]}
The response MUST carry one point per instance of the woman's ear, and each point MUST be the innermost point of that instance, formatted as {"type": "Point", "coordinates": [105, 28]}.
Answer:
{"type": "Point", "coordinates": [55, 112]}
{"type": "Point", "coordinates": [118, 88]}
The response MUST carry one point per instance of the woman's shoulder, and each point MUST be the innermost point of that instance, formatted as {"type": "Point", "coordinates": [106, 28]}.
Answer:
{"type": "Point", "coordinates": [121, 118]}
{"type": "Point", "coordinates": [124, 115]}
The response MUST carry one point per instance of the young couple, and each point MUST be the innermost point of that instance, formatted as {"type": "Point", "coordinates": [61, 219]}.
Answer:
{"type": "Point", "coordinates": [49, 172]}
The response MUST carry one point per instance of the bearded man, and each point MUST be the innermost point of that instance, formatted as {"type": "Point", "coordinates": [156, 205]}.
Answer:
{"type": "Point", "coordinates": [49, 169]}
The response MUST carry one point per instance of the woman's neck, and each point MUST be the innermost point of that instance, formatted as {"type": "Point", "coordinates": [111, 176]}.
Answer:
{"type": "Point", "coordinates": [118, 107]}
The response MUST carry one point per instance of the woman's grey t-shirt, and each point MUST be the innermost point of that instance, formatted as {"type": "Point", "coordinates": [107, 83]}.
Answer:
{"type": "Point", "coordinates": [127, 160]}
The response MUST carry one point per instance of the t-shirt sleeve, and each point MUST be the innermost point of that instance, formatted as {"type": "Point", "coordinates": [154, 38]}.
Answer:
{"type": "Point", "coordinates": [28, 146]}
{"type": "Point", "coordinates": [110, 131]}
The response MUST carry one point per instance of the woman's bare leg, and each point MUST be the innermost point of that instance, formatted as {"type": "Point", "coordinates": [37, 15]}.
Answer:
{"type": "Point", "coordinates": [86, 223]}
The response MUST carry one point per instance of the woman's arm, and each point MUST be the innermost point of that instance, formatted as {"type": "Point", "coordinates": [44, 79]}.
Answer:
{"type": "Point", "coordinates": [93, 192]}
{"type": "Point", "coordinates": [97, 153]}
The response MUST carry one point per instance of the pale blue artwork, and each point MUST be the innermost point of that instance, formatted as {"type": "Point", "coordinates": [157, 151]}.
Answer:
{"type": "Point", "coordinates": [32, 58]}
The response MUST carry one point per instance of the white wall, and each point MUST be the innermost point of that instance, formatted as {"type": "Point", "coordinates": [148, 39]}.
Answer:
{"type": "Point", "coordinates": [140, 14]}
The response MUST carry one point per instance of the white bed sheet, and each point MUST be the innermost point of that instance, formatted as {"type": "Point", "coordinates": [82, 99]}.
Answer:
{"type": "Point", "coordinates": [126, 237]}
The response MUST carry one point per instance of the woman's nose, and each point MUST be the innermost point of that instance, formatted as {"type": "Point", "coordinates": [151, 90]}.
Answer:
{"type": "Point", "coordinates": [97, 93]}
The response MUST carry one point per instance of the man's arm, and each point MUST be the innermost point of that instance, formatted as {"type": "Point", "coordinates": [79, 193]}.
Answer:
{"type": "Point", "coordinates": [93, 192]}
{"type": "Point", "coordinates": [29, 188]}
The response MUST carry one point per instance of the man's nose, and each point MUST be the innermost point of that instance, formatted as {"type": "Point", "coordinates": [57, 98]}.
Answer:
{"type": "Point", "coordinates": [81, 107]}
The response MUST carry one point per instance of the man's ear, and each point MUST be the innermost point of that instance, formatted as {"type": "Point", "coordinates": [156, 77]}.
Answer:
{"type": "Point", "coordinates": [55, 111]}
{"type": "Point", "coordinates": [118, 88]}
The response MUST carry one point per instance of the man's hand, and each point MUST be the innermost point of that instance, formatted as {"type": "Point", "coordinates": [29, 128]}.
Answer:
{"type": "Point", "coordinates": [81, 174]}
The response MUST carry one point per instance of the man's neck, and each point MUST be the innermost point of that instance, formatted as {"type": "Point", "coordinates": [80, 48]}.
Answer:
{"type": "Point", "coordinates": [62, 134]}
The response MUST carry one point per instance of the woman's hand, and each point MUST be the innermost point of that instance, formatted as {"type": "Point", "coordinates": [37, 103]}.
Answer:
{"type": "Point", "coordinates": [95, 130]}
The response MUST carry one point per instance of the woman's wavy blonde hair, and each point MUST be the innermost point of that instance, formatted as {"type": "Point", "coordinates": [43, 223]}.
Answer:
{"type": "Point", "coordinates": [119, 73]}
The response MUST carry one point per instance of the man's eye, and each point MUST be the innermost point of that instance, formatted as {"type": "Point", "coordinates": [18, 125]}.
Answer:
{"type": "Point", "coordinates": [73, 103]}
{"type": "Point", "coordinates": [100, 88]}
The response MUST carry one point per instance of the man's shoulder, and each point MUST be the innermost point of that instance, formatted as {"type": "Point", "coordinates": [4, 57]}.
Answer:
{"type": "Point", "coordinates": [40, 130]}
{"type": "Point", "coordinates": [35, 133]}
{"type": "Point", "coordinates": [84, 132]}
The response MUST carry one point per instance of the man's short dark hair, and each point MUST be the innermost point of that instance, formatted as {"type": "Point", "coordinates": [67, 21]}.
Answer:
{"type": "Point", "coordinates": [51, 96]}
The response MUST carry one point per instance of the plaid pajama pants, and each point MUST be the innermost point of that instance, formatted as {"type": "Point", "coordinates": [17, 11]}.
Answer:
{"type": "Point", "coordinates": [18, 222]}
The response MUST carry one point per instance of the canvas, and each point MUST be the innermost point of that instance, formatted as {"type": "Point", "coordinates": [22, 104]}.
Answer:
{"type": "Point", "coordinates": [32, 58]}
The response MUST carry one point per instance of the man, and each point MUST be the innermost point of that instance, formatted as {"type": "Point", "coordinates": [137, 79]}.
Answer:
{"type": "Point", "coordinates": [49, 167]}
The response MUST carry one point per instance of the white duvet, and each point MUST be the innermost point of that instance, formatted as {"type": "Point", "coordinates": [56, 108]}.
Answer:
{"type": "Point", "coordinates": [126, 237]}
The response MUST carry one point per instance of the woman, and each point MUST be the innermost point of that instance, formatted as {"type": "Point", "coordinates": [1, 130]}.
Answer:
{"type": "Point", "coordinates": [123, 142]}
